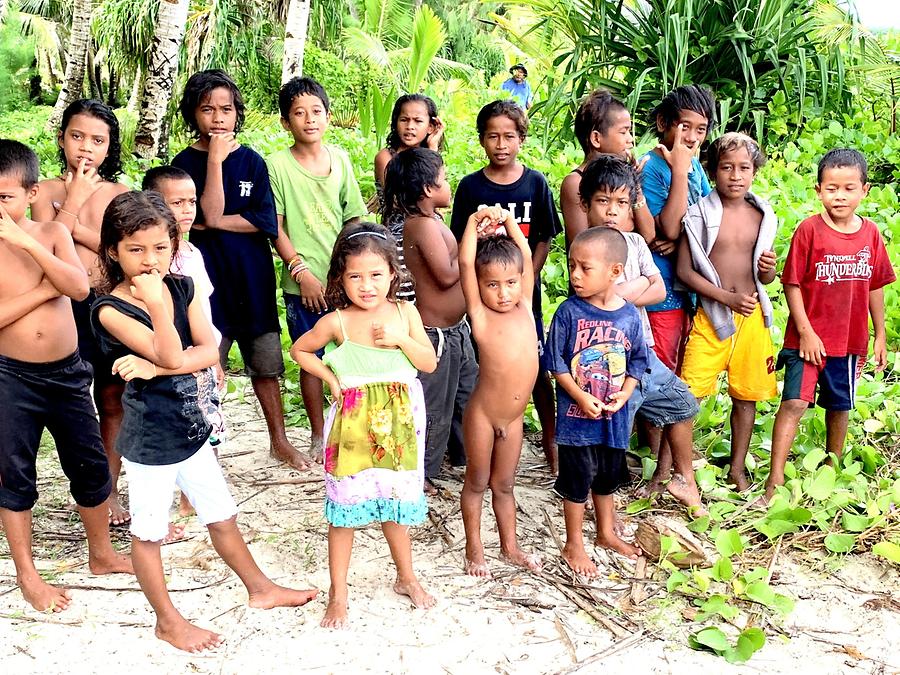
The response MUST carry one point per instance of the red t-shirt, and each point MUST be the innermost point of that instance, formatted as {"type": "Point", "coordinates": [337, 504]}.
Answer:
{"type": "Point", "coordinates": [835, 272]}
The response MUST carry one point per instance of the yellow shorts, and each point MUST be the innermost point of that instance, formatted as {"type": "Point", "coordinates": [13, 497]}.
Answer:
{"type": "Point", "coordinates": [747, 357]}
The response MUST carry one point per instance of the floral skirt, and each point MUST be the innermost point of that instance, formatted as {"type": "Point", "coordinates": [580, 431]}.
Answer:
{"type": "Point", "coordinates": [374, 455]}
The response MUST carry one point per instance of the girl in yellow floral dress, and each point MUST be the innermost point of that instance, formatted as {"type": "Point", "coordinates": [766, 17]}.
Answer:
{"type": "Point", "coordinates": [375, 431]}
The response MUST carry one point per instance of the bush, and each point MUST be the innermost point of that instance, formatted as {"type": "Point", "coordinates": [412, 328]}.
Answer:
{"type": "Point", "coordinates": [16, 65]}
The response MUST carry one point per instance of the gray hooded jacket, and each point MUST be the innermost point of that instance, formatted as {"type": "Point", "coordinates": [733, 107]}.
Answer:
{"type": "Point", "coordinates": [701, 227]}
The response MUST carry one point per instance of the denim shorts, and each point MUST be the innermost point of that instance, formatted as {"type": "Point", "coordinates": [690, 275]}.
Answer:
{"type": "Point", "coordinates": [661, 398]}
{"type": "Point", "coordinates": [299, 319]}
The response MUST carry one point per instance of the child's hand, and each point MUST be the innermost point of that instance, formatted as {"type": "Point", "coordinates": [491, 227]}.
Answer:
{"type": "Point", "coordinates": [220, 146]}
{"type": "Point", "coordinates": [617, 402]}
{"type": "Point", "coordinates": [312, 293]}
{"type": "Point", "coordinates": [742, 303]}
{"type": "Point", "coordinates": [12, 234]}
{"type": "Point", "coordinates": [133, 367]}
{"type": "Point", "coordinates": [47, 286]}
{"type": "Point", "coordinates": [80, 185]}
{"type": "Point", "coordinates": [812, 348]}
{"type": "Point", "coordinates": [880, 354]}
{"type": "Point", "coordinates": [489, 221]}
{"type": "Point", "coordinates": [148, 288]}
{"type": "Point", "coordinates": [679, 157]}
{"type": "Point", "coordinates": [434, 138]}
{"type": "Point", "coordinates": [220, 377]}
{"type": "Point", "coordinates": [767, 262]}
{"type": "Point", "coordinates": [591, 406]}
{"type": "Point", "coordinates": [385, 337]}
{"type": "Point", "coordinates": [662, 246]}
{"type": "Point", "coordinates": [335, 386]}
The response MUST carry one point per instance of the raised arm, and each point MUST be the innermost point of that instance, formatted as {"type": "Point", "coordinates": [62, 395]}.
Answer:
{"type": "Point", "coordinates": [679, 161]}
{"type": "Point", "coordinates": [529, 266]}
{"type": "Point", "coordinates": [467, 278]}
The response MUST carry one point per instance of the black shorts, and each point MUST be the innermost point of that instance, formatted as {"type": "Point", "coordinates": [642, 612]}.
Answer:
{"type": "Point", "coordinates": [55, 396]}
{"type": "Point", "coordinates": [89, 348]}
{"type": "Point", "coordinates": [261, 354]}
{"type": "Point", "coordinates": [590, 468]}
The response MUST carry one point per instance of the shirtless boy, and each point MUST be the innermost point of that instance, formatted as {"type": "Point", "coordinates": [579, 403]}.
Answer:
{"type": "Point", "coordinates": [497, 281]}
{"type": "Point", "coordinates": [89, 147]}
{"type": "Point", "coordinates": [431, 256]}
{"type": "Point", "coordinates": [43, 381]}
{"type": "Point", "coordinates": [725, 256]}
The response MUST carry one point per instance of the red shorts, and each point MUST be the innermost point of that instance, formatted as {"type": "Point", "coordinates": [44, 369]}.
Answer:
{"type": "Point", "coordinates": [670, 330]}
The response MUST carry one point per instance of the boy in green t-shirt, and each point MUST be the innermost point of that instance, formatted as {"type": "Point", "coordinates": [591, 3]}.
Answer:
{"type": "Point", "coordinates": [316, 195]}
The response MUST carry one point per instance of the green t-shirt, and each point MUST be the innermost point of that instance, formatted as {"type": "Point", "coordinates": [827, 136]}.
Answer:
{"type": "Point", "coordinates": [314, 208]}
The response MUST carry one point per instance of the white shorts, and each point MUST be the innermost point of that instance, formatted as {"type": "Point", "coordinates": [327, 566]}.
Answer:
{"type": "Point", "coordinates": [150, 489]}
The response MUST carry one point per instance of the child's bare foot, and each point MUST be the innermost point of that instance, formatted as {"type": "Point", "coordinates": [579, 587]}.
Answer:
{"type": "Point", "coordinates": [578, 559]}
{"type": "Point", "coordinates": [279, 596]}
{"type": "Point", "coordinates": [176, 533]}
{"type": "Point", "coordinates": [118, 514]}
{"type": "Point", "coordinates": [654, 487]}
{"type": "Point", "coordinates": [687, 493]}
{"type": "Point", "coordinates": [414, 591]}
{"type": "Point", "coordinates": [429, 488]}
{"type": "Point", "coordinates": [110, 563]}
{"type": "Point", "coordinates": [185, 508]}
{"type": "Point", "coordinates": [42, 596]}
{"type": "Point", "coordinates": [283, 451]}
{"type": "Point", "coordinates": [518, 557]}
{"type": "Point", "coordinates": [316, 450]}
{"type": "Point", "coordinates": [614, 543]}
{"type": "Point", "coordinates": [186, 636]}
{"type": "Point", "coordinates": [336, 612]}
{"type": "Point", "coordinates": [739, 480]}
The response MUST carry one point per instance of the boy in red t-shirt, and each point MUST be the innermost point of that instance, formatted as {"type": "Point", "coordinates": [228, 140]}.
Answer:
{"type": "Point", "coordinates": [833, 279]}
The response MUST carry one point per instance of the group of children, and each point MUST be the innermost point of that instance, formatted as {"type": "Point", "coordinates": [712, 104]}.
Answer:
{"type": "Point", "coordinates": [430, 338]}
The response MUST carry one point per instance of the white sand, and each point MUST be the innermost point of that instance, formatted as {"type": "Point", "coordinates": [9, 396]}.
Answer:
{"type": "Point", "coordinates": [475, 628]}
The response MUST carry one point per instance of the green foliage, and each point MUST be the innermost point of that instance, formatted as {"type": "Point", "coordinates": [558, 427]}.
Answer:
{"type": "Point", "coordinates": [16, 71]}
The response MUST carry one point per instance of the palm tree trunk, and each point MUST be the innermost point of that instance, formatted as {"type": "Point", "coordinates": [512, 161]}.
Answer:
{"type": "Point", "coordinates": [160, 79]}
{"type": "Point", "coordinates": [76, 61]}
{"type": "Point", "coordinates": [295, 30]}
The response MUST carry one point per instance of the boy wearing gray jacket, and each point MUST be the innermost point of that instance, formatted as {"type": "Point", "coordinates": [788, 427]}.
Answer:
{"type": "Point", "coordinates": [726, 257]}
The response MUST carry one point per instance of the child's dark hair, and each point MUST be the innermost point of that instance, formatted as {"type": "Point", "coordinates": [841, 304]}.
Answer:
{"type": "Point", "coordinates": [503, 108]}
{"type": "Point", "coordinates": [154, 177]}
{"type": "Point", "coordinates": [112, 165]}
{"type": "Point", "coordinates": [499, 249]}
{"type": "Point", "coordinates": [595, 114]}
{"type": "Point", "coordinates": [354, 240]}
{"type": "Point", "coordinates": [843, 157]}
{"type": "Point", "coordinates": [613, 241]}
{"type": "Point", "coordinates": [17, 159]}
{"type": "Point", "coordinates": [126, 214]}
{"type": "Point", "coordinates": [688, 97]}
{"type": "Point", "coordinates": [393, 139]}
{"type": "Point", "coordinates": [608, 172]}
{"type": "Point", "coordinates": [198, 88]}
{"type": "Point", "coordinates": [729, 142]}
{"type": "Point", "coordinates": [300, 86]}
{"type": "Point", "coordinates": [405, 179]}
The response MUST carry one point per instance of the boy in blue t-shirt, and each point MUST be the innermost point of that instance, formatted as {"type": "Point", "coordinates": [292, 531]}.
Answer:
{"type": "Point", "coordinates": [671, 180]}
{"type": "Point", "coordinates": [597, 353]}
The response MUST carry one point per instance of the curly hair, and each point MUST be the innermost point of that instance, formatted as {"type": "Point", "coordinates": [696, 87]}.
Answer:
{"type": "Point", "coordinates": [354, 240]}
{"type": "Point", "coordinates": [393, 139]}
{"type": "Point", "coordinates": [126, 214]}
{"type": "Point", "coordinates": [197, 90]}
{"type": "Point", "coordinates": [112, 165]}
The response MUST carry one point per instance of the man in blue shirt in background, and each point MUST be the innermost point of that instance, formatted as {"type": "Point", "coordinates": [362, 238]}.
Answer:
{"type": "Point", "coordinates": [518, 88]}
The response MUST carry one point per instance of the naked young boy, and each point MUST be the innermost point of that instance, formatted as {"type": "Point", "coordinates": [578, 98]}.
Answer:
{"type": "Point", "coordinates": [497, 280]}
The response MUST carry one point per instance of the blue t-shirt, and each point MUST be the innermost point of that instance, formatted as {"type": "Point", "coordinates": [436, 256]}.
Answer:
{"type": "Point", "coordinates": [656, 182]}
{"type": "Point", "coordinates": [598, 348]}
{"type": "Point", "coordinates": [519, 91]}
{"type": "Point", "coordinates": [239, 264]}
